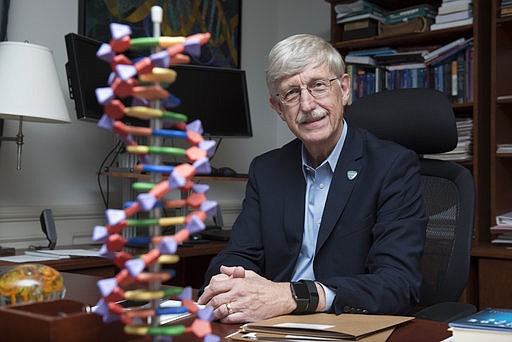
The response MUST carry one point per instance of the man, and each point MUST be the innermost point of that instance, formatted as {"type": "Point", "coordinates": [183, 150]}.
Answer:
{"type": "Point", "coordinates": [334, 220]}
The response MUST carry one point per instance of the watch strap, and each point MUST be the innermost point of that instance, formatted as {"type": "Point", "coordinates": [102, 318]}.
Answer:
{"type": "Point", "coordinates": [313, 294]}
{"type": "Point", "coordinates": [306, 296]}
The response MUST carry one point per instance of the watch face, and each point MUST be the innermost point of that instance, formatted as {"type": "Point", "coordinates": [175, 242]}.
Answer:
{"type": "Point", "coordinates": [301, 291]}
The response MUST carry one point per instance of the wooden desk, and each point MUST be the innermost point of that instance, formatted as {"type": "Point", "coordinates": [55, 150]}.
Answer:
{"type": "Point", "coordinates": [83, 288]}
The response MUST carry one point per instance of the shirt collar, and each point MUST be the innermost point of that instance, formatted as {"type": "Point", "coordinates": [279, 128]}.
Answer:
{"type": "Point", "coordinates": [333, 157]}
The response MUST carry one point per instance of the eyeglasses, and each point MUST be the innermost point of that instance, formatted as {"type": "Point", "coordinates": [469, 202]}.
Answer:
{"type": "Point", "coordinates": [317, 89]}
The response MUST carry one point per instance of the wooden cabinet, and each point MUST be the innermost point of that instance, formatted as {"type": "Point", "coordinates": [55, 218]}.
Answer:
{"type": "Point", "coordinates": [478, 109]}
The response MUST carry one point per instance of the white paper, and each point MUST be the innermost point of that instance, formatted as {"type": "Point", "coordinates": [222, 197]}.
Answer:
{"type": "Point", "coordinates": [304, 326]}
{"type": "Point", "coordinates": [72, 252]}
{"type": "Point", "coordinates": [27, 258]}
{"type": "Point", "coordinates": [164, 319]}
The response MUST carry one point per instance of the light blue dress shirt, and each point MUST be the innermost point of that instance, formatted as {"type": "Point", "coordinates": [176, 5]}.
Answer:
{"type": "Point", "coordinates": [318, 182]}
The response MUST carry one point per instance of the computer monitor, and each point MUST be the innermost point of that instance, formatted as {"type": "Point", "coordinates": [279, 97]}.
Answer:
{"type": "Point", "coordinates": [216, 96]}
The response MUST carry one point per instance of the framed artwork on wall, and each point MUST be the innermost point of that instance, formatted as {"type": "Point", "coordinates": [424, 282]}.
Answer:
{"type": "Point", "coordinates": [222, 18]}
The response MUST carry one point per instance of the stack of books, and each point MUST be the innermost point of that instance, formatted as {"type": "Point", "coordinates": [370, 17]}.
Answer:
{"type": "Point", "coordinates": [505, 9]}
{"type": "Point", "coordinates": [359, 19]}
{"type": "Point", "coordinates": [407, 20]}
{"type": "Point", "coordinates": [463, 150]}
{"type": "Point", "coordinates": [490, 325]}
{"type": "Point", "coordinates": [504, 149]}
{"type": "Point", "coordinates": [502, 232]}
{"type": "Point", "coordinates": [453, 13]}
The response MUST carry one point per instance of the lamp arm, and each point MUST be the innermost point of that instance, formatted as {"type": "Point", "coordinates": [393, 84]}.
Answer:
{"type": "Point", "coordinates": [19, 141]}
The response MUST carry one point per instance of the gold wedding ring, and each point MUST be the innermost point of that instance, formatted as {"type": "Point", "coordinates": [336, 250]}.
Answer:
{"type": "Point", "coordinates": [229, 308]}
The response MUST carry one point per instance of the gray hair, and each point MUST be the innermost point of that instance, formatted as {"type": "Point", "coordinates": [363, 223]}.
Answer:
{"type": "Point", "coordinates": [293, 54]}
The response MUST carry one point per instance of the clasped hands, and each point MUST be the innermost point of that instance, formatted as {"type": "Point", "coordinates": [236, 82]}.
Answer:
{"type": "Point", "coordinates": [238, 295]}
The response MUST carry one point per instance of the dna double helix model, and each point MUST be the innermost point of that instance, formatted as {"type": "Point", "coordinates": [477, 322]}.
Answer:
{"type": "Point", "coordinates": [142, 81]}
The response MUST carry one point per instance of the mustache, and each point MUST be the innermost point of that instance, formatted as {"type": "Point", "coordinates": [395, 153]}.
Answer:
{"type": "Point", "coordinates": [316, 113]}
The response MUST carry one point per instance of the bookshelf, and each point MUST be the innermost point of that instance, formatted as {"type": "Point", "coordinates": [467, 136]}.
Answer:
{"type": "Point", "coordinates": [478, 109]}
{"type": "Point", "coordinates": [494, 262]}
{"type": "Point", "coordinates": [501, 114]}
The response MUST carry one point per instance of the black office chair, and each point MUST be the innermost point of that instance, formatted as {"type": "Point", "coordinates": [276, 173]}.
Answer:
{"type": "Point", "coordinates": [423, 120]}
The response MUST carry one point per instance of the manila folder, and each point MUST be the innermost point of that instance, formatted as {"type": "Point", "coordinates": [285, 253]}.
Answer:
{"type": "Point", "coordinates": [347, 326]}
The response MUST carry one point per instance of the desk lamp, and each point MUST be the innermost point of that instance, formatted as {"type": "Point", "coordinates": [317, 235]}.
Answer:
{"type": "Point", "coordinates": [29, 88]}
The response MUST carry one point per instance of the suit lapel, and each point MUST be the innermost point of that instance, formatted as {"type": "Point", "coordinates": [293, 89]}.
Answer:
{"type": "Point", "coordinates": [345, 177]}
{"type": "Point", "coordinates": [295, 192]}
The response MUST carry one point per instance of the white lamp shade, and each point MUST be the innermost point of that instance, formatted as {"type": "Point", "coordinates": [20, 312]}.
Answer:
{"type": "Point", "coordinates": [29, 84]}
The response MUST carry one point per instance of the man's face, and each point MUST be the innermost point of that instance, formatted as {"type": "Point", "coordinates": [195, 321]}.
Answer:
{"type": "Point", "coordinates": [315, 121]}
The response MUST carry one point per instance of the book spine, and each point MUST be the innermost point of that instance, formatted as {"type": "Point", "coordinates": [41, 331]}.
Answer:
{"type": "Point", "coordinates": [470, 79]}
{"type": "Point", "coordinates": [395, 18]}
{"type": "Point", "coordinates": [350, 73]}
{"type": "Point", "coordinates": [461, 78]}
{"type": "Point", "coordinates": [454, 83]}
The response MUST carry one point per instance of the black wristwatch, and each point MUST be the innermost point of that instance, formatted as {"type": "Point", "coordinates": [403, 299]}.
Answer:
{"type": "Point", "coordinates": [306, 295]}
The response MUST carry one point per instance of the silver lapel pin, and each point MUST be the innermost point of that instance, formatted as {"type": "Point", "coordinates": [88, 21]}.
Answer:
{"type": "Point", "coordinates": [351, 174]}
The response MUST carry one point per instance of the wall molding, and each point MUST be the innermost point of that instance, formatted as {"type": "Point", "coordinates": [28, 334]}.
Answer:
{"type": "Point", "coordinates": [60, 212]}
{"type": "Point", "coordinates": [20, 226]}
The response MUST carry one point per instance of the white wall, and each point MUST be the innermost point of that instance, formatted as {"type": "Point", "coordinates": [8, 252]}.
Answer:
{"type": "Point", "coordinates": [60, 162]}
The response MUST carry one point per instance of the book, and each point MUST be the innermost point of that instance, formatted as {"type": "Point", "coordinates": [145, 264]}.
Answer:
{"type": "Point", "coordinates": [505, 12]}
{"type": "Point", "coordinates": [459, 15]}
{"type": "Point", "coordinates": [358, 29]}
{"type": "Point", "coordinates": [505, 218]}
{"type": "Point", "coordinates": [357, 25]}
{"type": "Point", "coordinates": [408, 13]}
{"type": "Point", "coordinates": [375, 16]}
{"type": "Point", "coordinates": [434, 53]}
{"type": "Point", "coordinates": [326, 326]}
{"type": "Point", "coordinates": [413, 56]}
{"type": "Point", "coordinates": [372, 52]}
{"type": "Point", "coordinates": [490, 325]}
{"type": "Point", "coordinates": [366, 60]}
{"type": "Point", "coordinates": [450, 53]}
{"type": "Point", "coordinates": [356, 7]}
{"type": "Point", "coordinates": [442, 26]}
{"type": "Point", "coordinates": [454, 8]}
{"type": "Point", "coordinates": [501, 229]}
{"type": "Point", "coordinates": [473, 335]}
{"type": "Point", "coordinates": [419, 24]}
{"type": "Point", "coordinates": [503, 148]}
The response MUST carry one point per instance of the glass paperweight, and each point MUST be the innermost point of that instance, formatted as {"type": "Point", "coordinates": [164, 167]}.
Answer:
{"type": "Point", "coordinates": [30, 283]}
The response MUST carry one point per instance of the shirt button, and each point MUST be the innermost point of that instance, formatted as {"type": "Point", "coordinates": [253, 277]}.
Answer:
{"type": "Point", "coordinates": [319, 221]}
{"type": "Point", "coordinates": [321, 186]}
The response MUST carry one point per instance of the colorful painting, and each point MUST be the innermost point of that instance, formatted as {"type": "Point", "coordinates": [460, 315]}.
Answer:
{"type": "Point", "coordinates": [180, 18]}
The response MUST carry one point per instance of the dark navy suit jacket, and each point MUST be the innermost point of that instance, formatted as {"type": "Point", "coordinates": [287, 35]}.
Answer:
{"type": "Point", "coordinates": [372, 232]}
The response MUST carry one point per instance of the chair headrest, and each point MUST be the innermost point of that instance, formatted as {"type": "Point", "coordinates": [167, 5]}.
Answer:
{"type": "Point", "coordinates": [420, 119]}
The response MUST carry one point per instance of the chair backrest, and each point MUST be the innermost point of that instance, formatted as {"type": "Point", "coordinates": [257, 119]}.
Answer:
{"type": "Point", "coordinates": [423, 121]}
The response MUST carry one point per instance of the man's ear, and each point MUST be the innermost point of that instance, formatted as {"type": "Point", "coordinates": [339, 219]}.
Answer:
{"type": "Point", "coordinates": [276, 105]}
{"type": "Point", "coordinates": [345, 87]}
